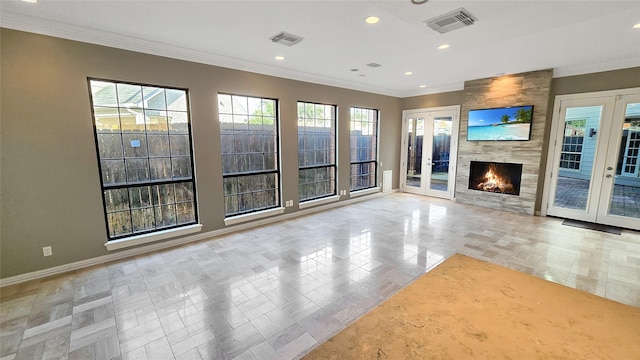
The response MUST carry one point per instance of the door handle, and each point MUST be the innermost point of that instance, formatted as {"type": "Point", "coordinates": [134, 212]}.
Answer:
{"type": "Point", "coordinates": [607, 176]}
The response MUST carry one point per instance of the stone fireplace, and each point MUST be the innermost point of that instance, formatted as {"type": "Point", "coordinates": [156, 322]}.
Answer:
{"type": "Point", "coordinates": [509, 90]}
{"type": "Point", "coordinates": [495, 177]}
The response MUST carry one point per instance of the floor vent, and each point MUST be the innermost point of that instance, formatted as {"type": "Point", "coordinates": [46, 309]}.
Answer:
{"type": "Point", "coordinates": [450, 21]}
{"type": "Point", "coordinates": [285, 38]}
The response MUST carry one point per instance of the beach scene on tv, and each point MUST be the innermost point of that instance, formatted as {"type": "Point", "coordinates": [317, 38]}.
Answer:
{"type": "Point", "coordinates": [509, 123]}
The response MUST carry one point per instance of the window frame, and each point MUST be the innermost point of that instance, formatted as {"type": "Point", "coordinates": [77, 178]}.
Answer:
{"type": "Point", "coordinates": [157, 233]}
{"type": "Point", "coordinates": [377, 150]}
{"type": "Point", "coordinates": [333, 162]}
{"type": "Point", "coordinates": [572, 157]}
{"type": "Point", "coordinates": [251, 214]}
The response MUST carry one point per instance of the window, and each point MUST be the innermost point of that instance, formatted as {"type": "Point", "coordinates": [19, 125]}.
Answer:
{"type": "Point", "coordinates": [316, 150]}
{"type": "Point", "coordinates": [631, 146]}
{"type": "Point", "coordinates": [571, 153]}
{"type": "Point", "coordinates": [364, 152]}
{"type": "Point", "coordinates": [249, 140]}
{"type": "Point", "coordinates": [144, 150]}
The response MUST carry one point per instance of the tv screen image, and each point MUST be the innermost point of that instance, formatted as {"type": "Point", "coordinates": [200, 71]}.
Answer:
{"type": "Point", "coordinates": [498, 124]}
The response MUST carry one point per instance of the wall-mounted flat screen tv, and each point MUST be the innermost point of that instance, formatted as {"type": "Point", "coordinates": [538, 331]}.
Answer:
{"type": "Point", "coordinates": [500, 124]}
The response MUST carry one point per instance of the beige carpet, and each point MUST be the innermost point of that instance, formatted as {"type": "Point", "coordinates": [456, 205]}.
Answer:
{"type": "Point", "coordinates": [470, 309]}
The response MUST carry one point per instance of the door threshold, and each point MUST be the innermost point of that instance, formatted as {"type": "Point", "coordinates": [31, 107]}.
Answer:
{"type": "Point", "coordinates": [592, 226]}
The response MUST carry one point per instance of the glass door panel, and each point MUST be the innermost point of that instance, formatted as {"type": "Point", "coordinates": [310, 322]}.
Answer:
{"type": "Point", "coordinates": [622, 176]}
{"type": "Point", "coordinates": [577, 156]}
{"type": "Point", "coordinates": [413, 147]}
{"type": "Point", "coordinates": [440, 153]}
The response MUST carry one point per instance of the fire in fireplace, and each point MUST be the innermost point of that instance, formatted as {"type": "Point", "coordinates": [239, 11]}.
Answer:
{"type": "Point", "coordinates": [495, 177]}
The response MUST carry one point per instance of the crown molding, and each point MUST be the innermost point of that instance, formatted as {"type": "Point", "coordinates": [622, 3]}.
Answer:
{"type": "Point", "coordinates": [41, 26]}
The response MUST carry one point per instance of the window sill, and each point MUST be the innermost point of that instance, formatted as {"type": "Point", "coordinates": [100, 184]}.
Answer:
{"type": "Point", "coordinates": [253, 216]}
{"type": "Point", "coordinates": [152, 237]}
{"type": "Point", "coordinates": [316, 202]}
{"type": "Point", "coordinates": [364, 192]}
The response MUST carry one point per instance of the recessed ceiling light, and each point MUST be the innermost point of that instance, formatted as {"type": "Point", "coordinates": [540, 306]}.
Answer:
{"type": "Point", "coordinates": [443, 46]}
{"type": "Point", "coordinates": [372, 20]}
{"type": "Point", "coordinates": [423, 86]}
{"type": "Point", "coordinates": [279, 58]}
{"type": "Point", "coordinates": [636, 26]}
{"type": "Point", "coordinates": [408, 73]}
{"type": "Point", "coordinates": [30, 1]}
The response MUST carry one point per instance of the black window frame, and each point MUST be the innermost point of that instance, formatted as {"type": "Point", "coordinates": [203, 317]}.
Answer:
{"type": "Point", "coordinates": [333, 162]}
{"type": "Point", "coordinates": [374, 162]}
{"type": "Point", "coordinates": [236, 175]}
{"type": "Point", "coordinates": [105, 188]}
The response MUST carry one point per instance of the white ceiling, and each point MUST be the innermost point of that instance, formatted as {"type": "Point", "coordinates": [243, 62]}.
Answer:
{"type": "Point", "coordinates": [510, 36]}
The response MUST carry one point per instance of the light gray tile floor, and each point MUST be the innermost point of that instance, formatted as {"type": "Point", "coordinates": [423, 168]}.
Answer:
{"type": "Point", "coordinates": [276, 291]}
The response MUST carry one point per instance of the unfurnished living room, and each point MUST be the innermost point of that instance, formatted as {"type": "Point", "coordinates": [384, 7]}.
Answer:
{"type": "Point", "coordinates": [396, 179]}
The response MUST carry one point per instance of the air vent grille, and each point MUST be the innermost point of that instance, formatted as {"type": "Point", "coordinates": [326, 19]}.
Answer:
{"type": "Point", "coordinates": [464, 18]}
{"type": "Point", "coordinates": [285, 38]}
{"type": "Point", "coordinates": [373, 65]}
{"type": "Point", "coordinates": [450, 21]}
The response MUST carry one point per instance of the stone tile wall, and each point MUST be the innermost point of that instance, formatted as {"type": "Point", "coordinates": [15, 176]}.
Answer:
{"type": "Point", "coordinates": [531, 88]}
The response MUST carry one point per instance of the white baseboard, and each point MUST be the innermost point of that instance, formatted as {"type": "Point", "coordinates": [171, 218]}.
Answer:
{"type": "Point", "coordinates": [180, 241]}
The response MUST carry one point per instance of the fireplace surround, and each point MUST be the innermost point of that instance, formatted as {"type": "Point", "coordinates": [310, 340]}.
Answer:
{"type": "Point", "coordinates": [495, 177]}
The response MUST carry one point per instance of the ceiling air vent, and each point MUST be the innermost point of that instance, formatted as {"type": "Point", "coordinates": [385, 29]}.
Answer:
{"type": "Point", "coordinates": [287, 39]}
{"type": "Point", "coordinates": [373, 65]}
{"type": "Point", "coordinates": [453, 20]}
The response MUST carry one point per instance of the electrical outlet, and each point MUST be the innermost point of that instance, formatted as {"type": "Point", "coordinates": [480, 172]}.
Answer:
{"type": "Point", "coordinates": [46, 251]}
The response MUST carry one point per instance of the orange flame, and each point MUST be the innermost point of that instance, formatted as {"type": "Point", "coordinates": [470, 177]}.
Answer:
{"type": "Point", "coordinates": [494, 182]}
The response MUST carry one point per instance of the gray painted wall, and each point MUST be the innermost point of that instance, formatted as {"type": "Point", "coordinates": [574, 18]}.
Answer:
{"type": "Point", "coordinates": [600, 81]}
{"type": "Point", "coordinates": [50, 189]}
{"type": "Point", "coordinates": [433, 100]}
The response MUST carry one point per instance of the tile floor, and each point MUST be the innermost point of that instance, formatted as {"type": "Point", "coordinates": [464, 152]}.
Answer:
{"type": "Point", "coordinates": [277, 291]}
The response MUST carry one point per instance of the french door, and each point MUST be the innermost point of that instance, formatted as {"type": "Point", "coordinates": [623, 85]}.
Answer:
{"type": "Point", "coordinates": [429, 144]}
{"type": "Point", "coordinates": [594, 152]}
